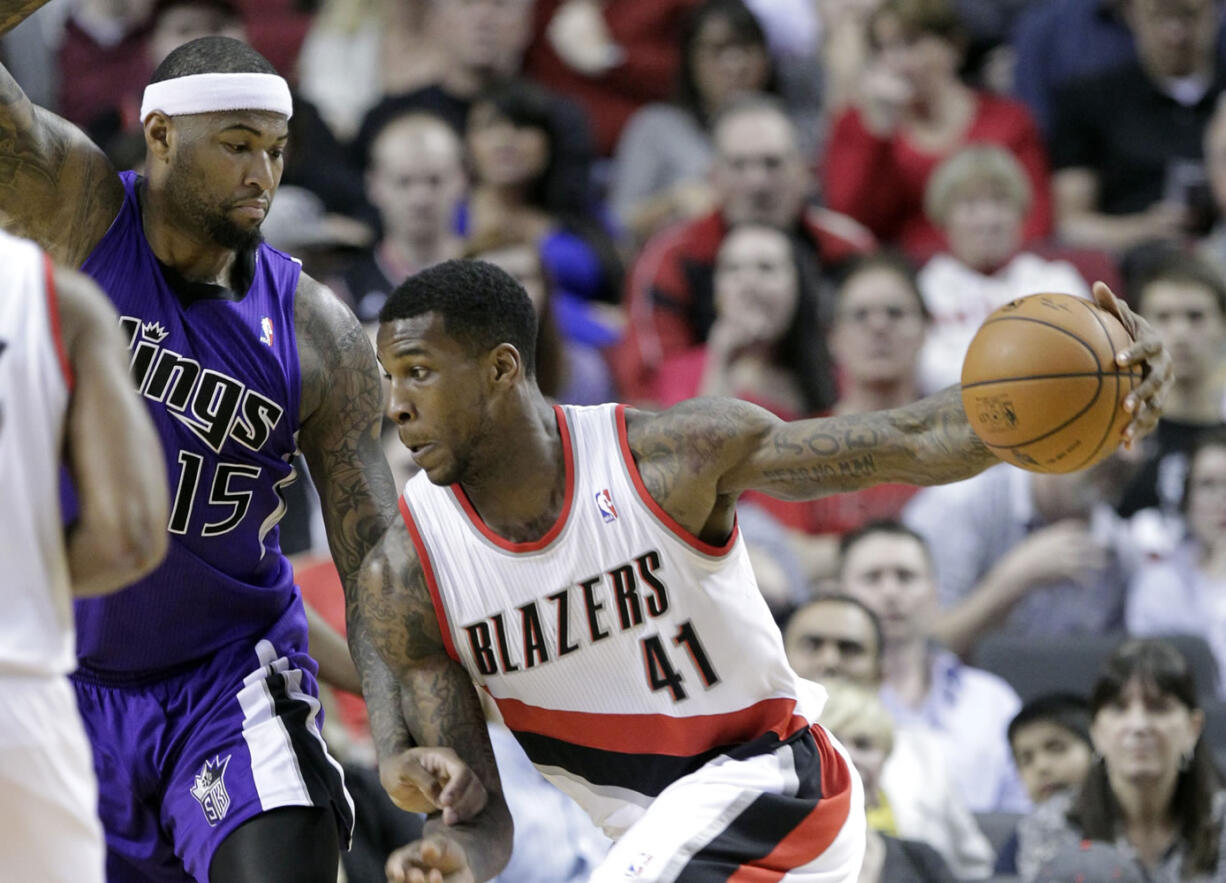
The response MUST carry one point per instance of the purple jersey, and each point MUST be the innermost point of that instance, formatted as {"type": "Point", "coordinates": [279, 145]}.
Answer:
{"type": "Point", "coordinates": [221, 380]}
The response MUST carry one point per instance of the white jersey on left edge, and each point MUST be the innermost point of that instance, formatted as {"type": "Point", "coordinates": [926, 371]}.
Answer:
{"type": "Point", "coordinates": [621, 651]}
{"type": "Point", "coordinates": [36, 635]}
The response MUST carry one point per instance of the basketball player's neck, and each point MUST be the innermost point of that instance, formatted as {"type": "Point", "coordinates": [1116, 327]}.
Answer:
{"type": "Point", "coordinates": [519, 487]}
{"type": "Point", "coordinates": [190, 252]}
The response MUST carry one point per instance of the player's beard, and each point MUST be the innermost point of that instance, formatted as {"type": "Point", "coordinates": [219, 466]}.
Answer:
{"type": "Point", "coordinates": [194, 210]}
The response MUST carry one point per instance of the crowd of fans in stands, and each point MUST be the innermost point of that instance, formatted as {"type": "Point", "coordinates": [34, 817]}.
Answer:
{"type": "Point", "coordinates": [811, 205]}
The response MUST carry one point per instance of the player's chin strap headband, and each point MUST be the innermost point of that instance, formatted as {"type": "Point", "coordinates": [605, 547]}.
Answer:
{"type": "Point", "coordinates": [209, 93]}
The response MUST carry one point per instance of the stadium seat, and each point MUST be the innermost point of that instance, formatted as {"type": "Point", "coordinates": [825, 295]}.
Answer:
{"type": "Point", "coordinates": [1034, 666]}
{"type": "Point", "coordinates": [998, 827]}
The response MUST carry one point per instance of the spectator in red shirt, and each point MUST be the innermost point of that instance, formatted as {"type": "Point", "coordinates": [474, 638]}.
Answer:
{"type": "Point", "coordinates": [612, 56]}
{"type": "Point", "coordinates": [766, 345]}
{"type": "Point", "coordinates": [760, 177]}
{"type": "Point", "coordinates": [910, 113]}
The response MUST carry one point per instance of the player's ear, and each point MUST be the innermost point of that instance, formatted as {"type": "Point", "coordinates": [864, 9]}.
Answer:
{"type": "Point", "coordinates": [158, 135]}
{"type": "Point", "coordinates": [506, 365]}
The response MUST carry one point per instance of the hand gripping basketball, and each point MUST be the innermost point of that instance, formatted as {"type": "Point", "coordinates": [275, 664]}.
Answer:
{"type": "Point", "coordinates": [431, 779]}
{"type": "Point", "coordinates": [1054, 383]}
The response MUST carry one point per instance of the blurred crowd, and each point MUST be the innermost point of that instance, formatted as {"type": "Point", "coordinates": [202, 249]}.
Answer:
{"type": "Point", "coordinates": [811, 205]}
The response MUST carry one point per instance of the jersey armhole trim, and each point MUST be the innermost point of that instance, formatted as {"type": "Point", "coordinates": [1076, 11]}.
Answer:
{"type": "Point", "coordinates": [436, 598]}
{"type": "Point", "coordinates": [53, 318]}
{"type": "Point", "coordinates": [632, 469]}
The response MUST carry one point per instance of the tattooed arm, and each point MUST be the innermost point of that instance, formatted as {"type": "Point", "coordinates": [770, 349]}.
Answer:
{"type": "Point", "coordinates": [56, 186]}
{"type": "Point", "coordinates": [441, 707]}
{"type": "Point", "coordinates": [699, 456]}
{"type": "Point", "coordinates": [341, 407]}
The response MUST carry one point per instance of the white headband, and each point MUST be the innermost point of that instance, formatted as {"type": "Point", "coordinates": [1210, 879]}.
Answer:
{"type": "Point", "coordinates": [209, 93]}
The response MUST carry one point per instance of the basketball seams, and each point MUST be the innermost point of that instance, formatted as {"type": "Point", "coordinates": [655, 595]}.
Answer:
{"type": "Point", "coordinates": [1093, 355]}
{"type": "Point", "coordinates": [1036, 365]}
{"type": "Point", "coordinates": [1094, 310]}
{"type": "Point", "coordinates": [1024, 377]}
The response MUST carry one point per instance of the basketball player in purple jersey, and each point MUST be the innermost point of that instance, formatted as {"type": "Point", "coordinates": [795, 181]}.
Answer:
{"type": "Point", "coordinates": [583, 566]}
{"type": "Point", "coordinates": [194, 683]}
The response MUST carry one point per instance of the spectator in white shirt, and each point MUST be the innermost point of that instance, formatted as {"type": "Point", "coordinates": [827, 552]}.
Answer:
{"type": "Point", "coordinates": [887, 567]}
{"type": "Point", "coordinates": [979, 197]}
{"type": "Point", "coordinates": [1032, 553]}
{"type": "Point", "coordinates": [835, 638]}
{"type": "Point", "coordinates": [1186, 593]}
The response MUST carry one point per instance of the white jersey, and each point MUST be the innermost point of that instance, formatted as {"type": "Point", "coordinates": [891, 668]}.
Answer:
{"type": "Point", "coordinates": [623, 652]}
{"type": "Point", "coordinates": [36, 636]}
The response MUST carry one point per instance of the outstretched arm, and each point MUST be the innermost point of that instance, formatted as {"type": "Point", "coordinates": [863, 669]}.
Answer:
{"type": "Point", "coordinates": [56, 186]}
{"type": "Point", "coordinates": [120, 533]}
{"type": "Point", "coordinates": [698, 457]}
{"type": "Point", "coordinates": [341, 407]}
{"type": "Point", "coordinates": [440, 705]}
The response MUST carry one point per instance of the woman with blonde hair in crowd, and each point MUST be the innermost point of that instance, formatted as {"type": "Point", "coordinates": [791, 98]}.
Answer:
{"type": "Point", "coordinates": [979, 198]}
{"type": "Point", "coordinates": [1153, 794]}
{"type": "Point", "coordinates": [856, 717]}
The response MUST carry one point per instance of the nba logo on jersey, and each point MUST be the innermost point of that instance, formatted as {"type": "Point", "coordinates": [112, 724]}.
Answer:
{"type": "Point", "coordinates": [638, 867]}
{"type": "Point", "coordinates": [210, 790]}
{"type": "Point", "coordinates": [266, 331]}
{"type": "Point", "coordinates": [604, 502]}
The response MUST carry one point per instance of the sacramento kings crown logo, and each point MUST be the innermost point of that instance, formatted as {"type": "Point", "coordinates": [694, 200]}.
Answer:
{"type": "Point", "coordinates": [210, 790]}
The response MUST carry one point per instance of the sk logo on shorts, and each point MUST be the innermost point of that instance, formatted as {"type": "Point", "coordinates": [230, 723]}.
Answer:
{"type": "Point", "coordinates": [604, 502]}
{"type": "Point", "coordinates": [210, 790]}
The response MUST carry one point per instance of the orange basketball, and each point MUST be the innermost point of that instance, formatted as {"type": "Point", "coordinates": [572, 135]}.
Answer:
{"type": "Point", "coordinates": [1040, 385]}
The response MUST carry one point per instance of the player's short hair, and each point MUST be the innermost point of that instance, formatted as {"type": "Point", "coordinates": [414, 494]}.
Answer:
{"type": "Point", "coordinates": [212, 55]}
{"type": "Point", "coordinates": [887, 526]}
{"type": "Point", "coordinates": [1068, 711]}
{"type": "Point", "coordinates": [481, 306]}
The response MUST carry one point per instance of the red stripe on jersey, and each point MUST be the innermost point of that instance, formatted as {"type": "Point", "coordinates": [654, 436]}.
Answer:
{"type": "Point", "coordinates": [655, 733]}
{"type": "Point", "coordinates": [53, 316]}
{"type": "Point", "coordinates": [658, 510]}
{"type": "Point", "coordinates": [436, 599]}
{"type": "Point", "coordinates": [568, 459]}
{"type": "Point", "coordinates": [817, 830]}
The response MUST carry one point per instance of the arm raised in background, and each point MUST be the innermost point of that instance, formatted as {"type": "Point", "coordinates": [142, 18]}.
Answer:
{"type": "Point", "coordinates": [699, 456]}
{"type": "Point", "coordinates": [120, 533]}
{"type": "Point", "coordinates": [56, 186]}
{"type": "Point", "coordinates": [440, 706]}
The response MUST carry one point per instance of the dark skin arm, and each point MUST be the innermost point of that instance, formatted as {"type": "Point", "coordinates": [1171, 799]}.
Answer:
{"type": "Point", "coordinates": [699, 456]}
{"type": "Point", "coordinates": [440, 705]}
{"type": "Point", "coordinates": [120, 532]}
{"type": "Point", "coordinates": [341, 405]}
{"type": "Point", "coordinates": [56, 186]}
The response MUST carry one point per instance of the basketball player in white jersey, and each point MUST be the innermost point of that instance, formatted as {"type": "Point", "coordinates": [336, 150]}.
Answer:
{"type": "Point", "coordinates": [65, 398]}
{"type": "Point", "coordinates": [583, 566]}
